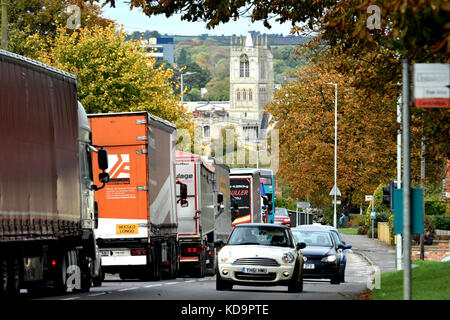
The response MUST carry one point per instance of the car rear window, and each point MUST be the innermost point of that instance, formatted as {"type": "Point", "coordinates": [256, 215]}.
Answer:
{"type": "Point", "coordinates": [313, 238]}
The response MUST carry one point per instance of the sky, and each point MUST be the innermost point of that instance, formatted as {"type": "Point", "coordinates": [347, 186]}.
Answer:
{"type": "Point", "coordinates": [135, 20]}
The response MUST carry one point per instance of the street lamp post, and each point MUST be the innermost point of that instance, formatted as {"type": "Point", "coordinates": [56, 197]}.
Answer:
{"type": "Point", "coordinates": [335, 147]}
{"type": "Point", "coordinates": [182, 87]}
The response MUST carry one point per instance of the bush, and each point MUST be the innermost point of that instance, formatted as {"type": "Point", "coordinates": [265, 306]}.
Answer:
{"type": "Point", "coordinates": [435, 207]}
{"type": "Point", "coordinates": [441, 222]}
{"type": "Point", "coordinates": [391, 228]}
{"type": "Point", "coordinates": [356, 220]}
{"type": "Point", "coordinates": [382, 217]}
{"type": "Point", "coordinates": [363, 229]}
{"type": "Point", "coordinates": [375, 232]}
{"type": "Point", "coordinates": [379, 206]}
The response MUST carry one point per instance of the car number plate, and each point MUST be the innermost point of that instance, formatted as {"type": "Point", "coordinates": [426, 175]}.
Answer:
{"type": "Point", "coordinates": [308, 266]}
{"type": "Point", "coordinates": [104, 253]}
{"type": "Point", "coordinates": [254, 270]}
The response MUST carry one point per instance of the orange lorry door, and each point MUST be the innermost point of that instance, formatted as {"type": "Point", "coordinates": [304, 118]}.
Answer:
{"type": "Point", "coordinates": [123, 203]}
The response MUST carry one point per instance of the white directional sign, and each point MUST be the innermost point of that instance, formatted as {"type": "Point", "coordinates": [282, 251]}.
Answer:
{"type": "Point", "coordinates": [303, 205]}
{"type": "Point", "coordinates": [335, 191]}
{"type": "Point", "coordinates": [337, 202]}
{"type": "Point", "coordinates": [369, 198]}
{"type": "Point", "coordinates": [431, 85]}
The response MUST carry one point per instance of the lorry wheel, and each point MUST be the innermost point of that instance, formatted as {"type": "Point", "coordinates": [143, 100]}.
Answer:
{"type": "Point", "coordinates": [200, 270]}
{"type": "Point", "coordinates": [85, 274]}
{"type": "Point", "coordinates": [3, 277]}
{"type": "Point", "coordinates": [13, 277]}
{"type": "Point", "coordinates": [97, 281]}
{"type": "Point", "coordinates": [60, 276]}
{"type": "Point", "coordinates": [172, 269]}
{"type": "Point", "coordinates": [156, 270]}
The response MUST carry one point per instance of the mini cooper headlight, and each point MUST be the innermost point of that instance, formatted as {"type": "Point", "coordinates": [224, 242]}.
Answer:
{"type": "Point", "coordinates": [330, 258]}
{"type": "Point", "coordinates": [288, 257]}
{"type": "Point", "coordinates": [225, 256]}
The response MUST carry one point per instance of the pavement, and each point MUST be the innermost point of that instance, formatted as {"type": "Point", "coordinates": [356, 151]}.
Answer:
{"type": "Point", "coordinates": [377, 254]}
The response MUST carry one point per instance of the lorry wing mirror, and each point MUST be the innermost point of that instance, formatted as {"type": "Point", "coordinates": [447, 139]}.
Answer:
{"type": "Point", "coordinates": [219, 243]}
{"type": "Point", "coordinates": [184, 203]}
{"type": "Point", "coordinates": [220, 197]}
{"type": "Point", "coordinates": [265, 201]}
{"type": "Point", "coordinates": [102, 159]}
{"type": "Point", "coordinates": [183, 192]}
{"type": "Point", "coordinates": [103, 177]}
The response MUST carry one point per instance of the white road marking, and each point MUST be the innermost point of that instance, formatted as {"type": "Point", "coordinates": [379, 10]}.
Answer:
{"type": "Point", "coordinates": [71, 298]}
{"type": "Point", "coordinates": [169, 283]}
{"type": "Point", "coordinates": [153, 285]}
{"type": "Point", "coordinates": [127, 289]}
{"type": "Point", "coordinates": [97, 294]}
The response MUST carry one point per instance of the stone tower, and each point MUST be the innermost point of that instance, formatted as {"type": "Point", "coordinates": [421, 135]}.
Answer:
{"type": "Point", "coordinates": [251, 83]}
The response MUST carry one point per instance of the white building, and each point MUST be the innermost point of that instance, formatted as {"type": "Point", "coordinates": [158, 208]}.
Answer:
{"type": "Point", "coordinates": [251, 87]}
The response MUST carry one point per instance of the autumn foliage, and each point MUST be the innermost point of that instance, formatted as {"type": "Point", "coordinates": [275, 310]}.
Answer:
{"type": "Point", "coordinates": [303, 111]}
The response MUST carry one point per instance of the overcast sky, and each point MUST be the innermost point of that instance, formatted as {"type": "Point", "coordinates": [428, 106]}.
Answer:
{"type": "Point", "coordinates": [135, 20]}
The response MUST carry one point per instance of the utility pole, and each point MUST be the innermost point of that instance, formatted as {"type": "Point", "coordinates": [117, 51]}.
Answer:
{"type": "Point", "coordinates": [406, 184]}
{"type": "Point", "coordinates": [4, 5]}
{"type": "Point", "coordinates": [399, 178]}
{"type": "Point", "coordinates": [422, 185]}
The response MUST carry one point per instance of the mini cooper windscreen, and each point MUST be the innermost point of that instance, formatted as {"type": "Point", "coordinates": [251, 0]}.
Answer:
{"type": "Point", "coordinates": [265, 236]}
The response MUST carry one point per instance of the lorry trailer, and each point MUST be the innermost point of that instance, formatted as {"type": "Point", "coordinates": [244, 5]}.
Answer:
{"type": "Point", "coordinates": [48, 212]}
{"type": "Point", "coordinates": [138, 223]}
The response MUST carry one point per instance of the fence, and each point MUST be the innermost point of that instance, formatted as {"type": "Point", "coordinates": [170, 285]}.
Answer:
{"type": "Point", "coordinates": [300, 219]}
{"type": "Point", "coordinates": [384, 234]}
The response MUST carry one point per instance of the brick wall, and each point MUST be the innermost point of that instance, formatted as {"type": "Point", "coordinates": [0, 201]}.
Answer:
{"type": "Point", "coordinates": [435, 252]}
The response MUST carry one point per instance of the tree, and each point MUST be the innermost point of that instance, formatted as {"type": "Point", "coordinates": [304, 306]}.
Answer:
{"type": "Point", "coordinates": [42, 17]}
{"type": "Point", "coordinates": [408, 25]}
{"type": "Point", "coordinates": [114, 75]}
{"type": "Point", "coordinates": [219, 89]}
{"type": "Point", "coordinates": [303, 111]}
{"type": "Point", "coordinates": [182, 59]}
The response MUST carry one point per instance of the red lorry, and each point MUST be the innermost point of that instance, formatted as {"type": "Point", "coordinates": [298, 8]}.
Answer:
{"type": "Point", "coordinates": [47, 207]}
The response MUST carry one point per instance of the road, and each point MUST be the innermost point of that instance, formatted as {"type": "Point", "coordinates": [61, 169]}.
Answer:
{"type": "Point", "coordinates": [358, 272]}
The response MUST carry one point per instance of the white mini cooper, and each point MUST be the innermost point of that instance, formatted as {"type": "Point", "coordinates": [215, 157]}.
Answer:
{"type": "Point", "coordinates": [260, 254]}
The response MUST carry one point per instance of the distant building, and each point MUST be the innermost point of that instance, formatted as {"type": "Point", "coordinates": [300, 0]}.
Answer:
{"type": "Point", "coordinates": [161, 48]}
{"type": "Point", "coordinates": [251, 83]}
{"type": "Point", "coordinates": [251, 87]}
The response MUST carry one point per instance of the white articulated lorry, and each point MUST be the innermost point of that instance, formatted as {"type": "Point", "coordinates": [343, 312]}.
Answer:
{"type": "Point", "coordinates": [47, 208]}
{"type": "Point", "coordinates": [205, 216]}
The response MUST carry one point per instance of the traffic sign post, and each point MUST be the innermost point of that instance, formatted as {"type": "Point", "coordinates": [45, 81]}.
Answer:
{"type": "Point", "coordinates": [335, 193]}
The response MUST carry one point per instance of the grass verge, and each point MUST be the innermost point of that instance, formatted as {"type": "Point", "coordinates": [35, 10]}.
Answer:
{"type": "Point", "coordinates": [348, 230]}
{"type": "Point", "coordinates": [430, 281]}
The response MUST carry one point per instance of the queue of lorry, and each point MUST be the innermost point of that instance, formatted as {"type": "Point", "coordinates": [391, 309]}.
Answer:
{"type": "Point", "coordinates": [86, 195]}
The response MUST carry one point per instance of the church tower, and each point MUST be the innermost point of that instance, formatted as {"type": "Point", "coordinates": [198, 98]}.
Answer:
{"type": "Point", "coordinates": [251, 83]}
